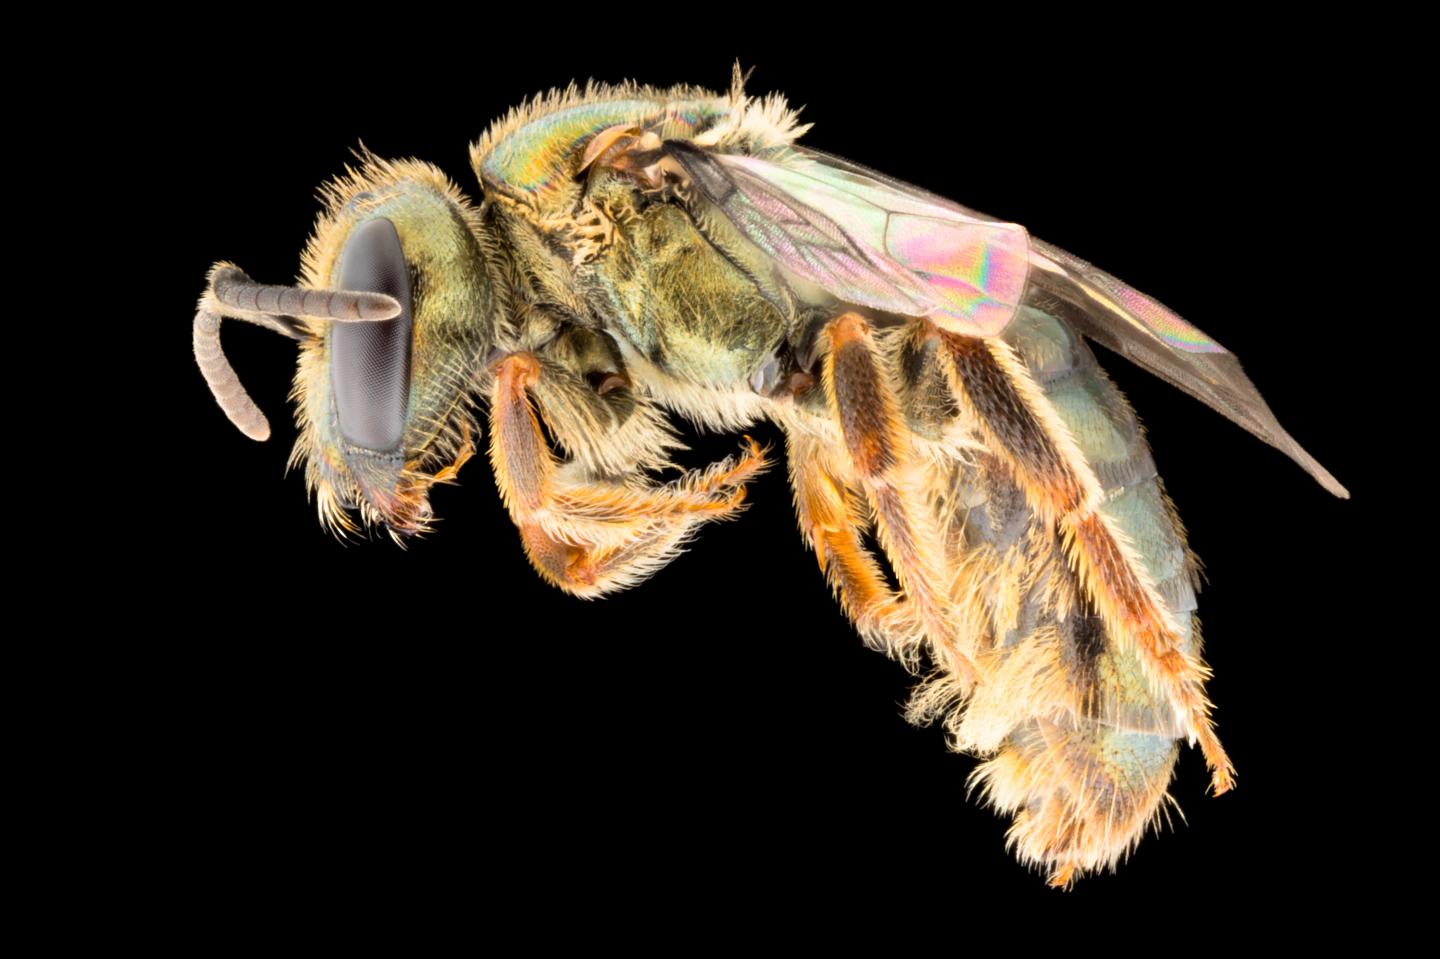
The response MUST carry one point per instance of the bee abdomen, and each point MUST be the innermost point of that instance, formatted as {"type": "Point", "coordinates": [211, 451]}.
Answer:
{"type": "Point", "coordinates": [1080, 746]}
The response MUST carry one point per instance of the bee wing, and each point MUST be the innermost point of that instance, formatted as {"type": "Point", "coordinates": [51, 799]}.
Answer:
{"type": "Point", "coordinates": [872, 240]}
{"type": "Point", "coordinates": [868, 241]}
{"type": "Point", "coordinates": [1149, 334]}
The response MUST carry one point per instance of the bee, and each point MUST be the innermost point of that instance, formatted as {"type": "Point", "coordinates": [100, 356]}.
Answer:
{"type": "Point", "coordinates": [976, 491]}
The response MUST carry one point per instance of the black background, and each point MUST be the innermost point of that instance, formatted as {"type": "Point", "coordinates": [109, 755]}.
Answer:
{"type": "Point", "coordinates": [437, 727]}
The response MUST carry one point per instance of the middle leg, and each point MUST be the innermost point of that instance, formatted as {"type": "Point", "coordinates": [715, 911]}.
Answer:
{"type": "Point", "coordinates": [875, 435]}
{"type": "Point", "coordinates": [833, 518]}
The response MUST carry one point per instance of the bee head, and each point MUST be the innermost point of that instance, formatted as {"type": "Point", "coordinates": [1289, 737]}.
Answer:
{"type": "Point", "coordinates": [385, 407]}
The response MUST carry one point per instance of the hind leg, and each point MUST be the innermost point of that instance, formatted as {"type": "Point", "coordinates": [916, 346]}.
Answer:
{"type": "Point", "coordinates": [1030, 432]}
{"type": "Point", "coordinates": [1079, 728]}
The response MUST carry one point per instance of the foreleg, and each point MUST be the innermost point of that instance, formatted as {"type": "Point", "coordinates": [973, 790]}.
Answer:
{"type": "Point", "coordinates": [592, 536]}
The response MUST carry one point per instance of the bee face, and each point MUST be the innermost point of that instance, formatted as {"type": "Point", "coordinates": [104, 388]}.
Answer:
{"type": "Point", "coordinates": [384, 407]}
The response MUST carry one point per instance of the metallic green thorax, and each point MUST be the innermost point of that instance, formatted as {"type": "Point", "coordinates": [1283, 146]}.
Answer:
{"type": "Point", "coordinates": [655, 281]}
{"type": "Point", "coordinates": [676, 299]}
{"type": "Point", "coordinates": [539, 156]}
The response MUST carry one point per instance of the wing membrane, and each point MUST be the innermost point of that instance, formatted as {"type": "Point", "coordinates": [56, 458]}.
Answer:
{"type": "Point", "coordinates": [869, 243]}
{"type": "Point", "coordinates": [879, 242]}
{"type": "Point", "coordinates": [1159, 340]}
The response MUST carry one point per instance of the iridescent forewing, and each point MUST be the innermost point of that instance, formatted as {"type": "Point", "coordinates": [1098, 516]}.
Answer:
{"type": "Point", "coordinates": [872, 240]}
{"type": "Point", "coordinates": [1156, 338]}
{"type": "Point", "coordinates": [868, 243]}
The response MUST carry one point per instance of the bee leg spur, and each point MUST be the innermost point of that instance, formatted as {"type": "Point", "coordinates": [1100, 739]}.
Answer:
{"type": "Point", "coordinates": [584, 534]}
{"type": "Point", "coordinates": [864, 403]}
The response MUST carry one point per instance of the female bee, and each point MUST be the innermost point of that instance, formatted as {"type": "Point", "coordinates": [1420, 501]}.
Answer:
{"type": "Point", "coordinates": [640, 251]}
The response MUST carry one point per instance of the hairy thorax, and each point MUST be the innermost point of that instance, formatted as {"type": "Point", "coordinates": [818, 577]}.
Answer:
{"type": "Point", "coordinates": [625, 259]}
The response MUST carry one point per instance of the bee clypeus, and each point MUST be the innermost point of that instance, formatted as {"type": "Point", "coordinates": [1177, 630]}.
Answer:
{"type": "Point", "coordinates": [643, 250]}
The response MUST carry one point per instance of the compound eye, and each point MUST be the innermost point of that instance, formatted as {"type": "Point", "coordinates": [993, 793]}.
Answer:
{"type": "Point", "coordinates": [370, 362]}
